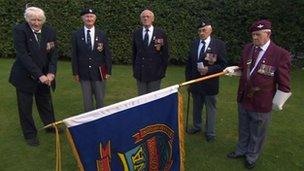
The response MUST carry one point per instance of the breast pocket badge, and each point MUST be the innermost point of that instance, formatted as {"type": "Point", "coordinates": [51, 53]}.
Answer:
{"type": "Point", "coordinates": [211, 58]}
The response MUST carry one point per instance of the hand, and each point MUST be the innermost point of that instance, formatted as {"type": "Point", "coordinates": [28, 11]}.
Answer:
{"type": "Point", "coordinates": [108, 76]}
{"type": "Point", "coordinates": [50, 76]}
{"type": "Point", "coordinates": [76, 78]}
{"type": "Point", "coordinates": [44, 80]}
{"type": "Point", "coordinates": [203, 71]}
{"type": "Point", "coordinates": [232, 71]}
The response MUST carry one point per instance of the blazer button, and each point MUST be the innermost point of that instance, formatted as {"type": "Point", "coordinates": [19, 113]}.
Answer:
{"type": "Point", "coordinates": [90, 66]}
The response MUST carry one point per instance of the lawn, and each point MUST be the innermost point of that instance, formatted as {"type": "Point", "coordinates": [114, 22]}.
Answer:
{"type": "Point", "coordinates": [284, 144]}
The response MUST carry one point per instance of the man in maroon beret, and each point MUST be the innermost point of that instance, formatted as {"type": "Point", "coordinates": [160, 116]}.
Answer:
{"type": "Point", "coordinates": [264, 71]}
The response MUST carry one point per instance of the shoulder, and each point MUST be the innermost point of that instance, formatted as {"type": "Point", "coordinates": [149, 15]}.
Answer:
{"type": "Point", "coordinates": [21, 26]}
{"type": "Point", "coordinates": [280, 50]}
{"type": "Point", "coordinates": [159, 30]}
{"type": "Point", "coordinates": [217, 41]}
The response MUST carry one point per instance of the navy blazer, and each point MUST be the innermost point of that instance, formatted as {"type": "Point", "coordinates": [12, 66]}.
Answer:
{"type": "Point", "coordinates": [211, 86]}
{"type": "Point", "coordinates": [33, 60]}
{"type": "Point", "coordinates": [149, 64]}
{"type": "Point", "coordinates": [85, 61]}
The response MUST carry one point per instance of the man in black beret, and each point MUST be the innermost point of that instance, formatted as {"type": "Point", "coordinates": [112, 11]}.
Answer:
{"type": "Point", "coordinates": [91, 60]}
{"type": "Point", "coordinates": [206, 56]}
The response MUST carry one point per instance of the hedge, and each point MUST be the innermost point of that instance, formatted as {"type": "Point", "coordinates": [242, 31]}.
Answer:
{"type": "Point", "coordinates": [118, 19]}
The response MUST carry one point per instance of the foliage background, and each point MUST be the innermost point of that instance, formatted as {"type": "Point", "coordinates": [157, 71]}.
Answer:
{"type": "Point", "coordinates": [231, 20]}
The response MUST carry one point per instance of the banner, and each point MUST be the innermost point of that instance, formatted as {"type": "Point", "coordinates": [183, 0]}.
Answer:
{"type": "Point", "coordinates": [142, 133]}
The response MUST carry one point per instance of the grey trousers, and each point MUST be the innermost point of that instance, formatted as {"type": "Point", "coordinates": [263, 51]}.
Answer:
{"type": "Point", "coordinates": [199, 100]}
{"type": "Point", "coordinates": [252, 133]}
{"type": "Point", "coordinates": [147, 87]}
{"type": "Point", "coordinates": [92, 89]}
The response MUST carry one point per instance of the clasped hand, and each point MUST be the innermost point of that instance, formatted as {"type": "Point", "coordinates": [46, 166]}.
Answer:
{"type": "Point", "coordinates": [47, 79]}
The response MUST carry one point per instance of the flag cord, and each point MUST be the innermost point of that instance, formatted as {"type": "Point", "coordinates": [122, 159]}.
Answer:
{"type": "Point", "coordinates": [58, 149]}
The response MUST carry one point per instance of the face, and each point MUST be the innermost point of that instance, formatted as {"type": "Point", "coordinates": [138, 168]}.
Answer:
{"type": "Point", "coordinates": [205, 32]}
{"type": "Point", "coordinates": [146, 18]}
{"type": "Point", "coordinates": [89, 20]}
{"type": "Point", "coordinates": [259, 38]}
{"type": "Point", "coordinates": [35, 22]}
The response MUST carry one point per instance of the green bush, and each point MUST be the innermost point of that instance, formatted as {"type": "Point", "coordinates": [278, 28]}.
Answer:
{"type": "Point", "coordinates": [118, 19]}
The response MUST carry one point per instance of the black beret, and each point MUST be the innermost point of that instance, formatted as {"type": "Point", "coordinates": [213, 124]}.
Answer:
{"type": "Point", "coordinates": [204, 22]}
{"type": "Point", "coordinates": [87, 11]}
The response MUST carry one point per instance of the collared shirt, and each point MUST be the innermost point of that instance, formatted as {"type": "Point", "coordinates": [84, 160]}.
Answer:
{"type": "Point", "coordinates": [35, 34]}
{"type": "Point", "coordinates": [261, 53]}
{"type": "Point", "coordinates": [92, 34]}
{"type": "Point", "coordinates": [150, 33]}
{"type": "Point", "coordinates": [207, 42]}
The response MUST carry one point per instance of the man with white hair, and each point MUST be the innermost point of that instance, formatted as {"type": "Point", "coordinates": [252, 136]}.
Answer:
{"type": "Point", "coordinates": [149, 54]}
{"type": "Point", "coordinates": [34, 70]}
{"type": "Point", "coordinates": [264, 71]}
{"type": "Point", "coordinates": [206, 56]}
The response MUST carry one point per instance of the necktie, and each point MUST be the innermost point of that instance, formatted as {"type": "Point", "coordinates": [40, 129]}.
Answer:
{"type": "Point", "coordinates": [255, 56]}
{"type": "Point", "coordinates": [200, 57]}
{"type": "Point", "coordinates": [89, 43]}
{"type": "Point", "coordinates": [146, 38]}
{"type": "Point", "coordinates": [38, 36]}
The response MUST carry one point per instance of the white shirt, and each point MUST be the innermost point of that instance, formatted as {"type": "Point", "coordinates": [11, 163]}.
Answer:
{"type": "Point", "coordinates": [92, 34]}
{"type": "Point", "coordinates": [207, 42]}
{"type": "Point", "coordinates": [261, 53]}
{"type": "Point", "coordinates": [150, 33]}
{"type": "Point", "coordinates": [35, 34]}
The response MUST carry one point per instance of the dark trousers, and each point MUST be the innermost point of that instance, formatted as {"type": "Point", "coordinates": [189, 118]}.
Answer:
{"type": "Point", "coordinates": [44, 105]}
{"type": "Point", "coordinates": [252, 133]}
{"type": "Point", "coordinates": [199, 100]}
{"type": "Point", "coordinates": [147, 87]}
{"type": "Point", "coordinates": [90, 90]}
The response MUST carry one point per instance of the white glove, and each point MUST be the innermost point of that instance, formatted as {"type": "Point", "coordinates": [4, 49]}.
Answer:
{"type": "Point", "coordinates": [233, 71]}
{"type": "Point", "coordinates": [279, 99]}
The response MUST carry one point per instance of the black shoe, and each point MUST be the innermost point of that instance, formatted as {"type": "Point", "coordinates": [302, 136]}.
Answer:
{"type": "Point", "coordinates": [52, 130]}
{"type": "Point", "coordinates": [193, 131]}
{"type": "Point", "coordinates": [233, 155]}
{"type": "Point", "coordinates": [210, 138]}
{"type": "Point", "coordinates": [249, 165]}
{"type": "Point", "coordinates": [32, 142]}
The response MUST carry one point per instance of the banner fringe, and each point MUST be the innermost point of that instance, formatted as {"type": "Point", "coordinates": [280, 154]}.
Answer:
{"type": "Point", "coordinates": [181, 131]}
{"type": "Point", "coordinates": [75, 153]}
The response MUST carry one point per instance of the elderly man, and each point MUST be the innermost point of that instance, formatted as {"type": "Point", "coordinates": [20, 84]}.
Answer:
{"type": "Point", "coordinates": [206, 56]}
{"type": "Point", "coordinates": [150, 54]}
{"type": "Point", "coordinates": [34, 71]}
{"type": "Point", "coordinates": [265, 71]}
{"type": "Point", "coordinates": [91, 60]}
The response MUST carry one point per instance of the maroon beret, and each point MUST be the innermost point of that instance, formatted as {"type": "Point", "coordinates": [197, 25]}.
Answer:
{"type": "Point", "coordinates": [260, 25]}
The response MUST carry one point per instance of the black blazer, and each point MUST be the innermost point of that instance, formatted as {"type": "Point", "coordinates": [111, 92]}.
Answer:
{"type": "Point", "coordinates": [211, 86]}
{"type": "Point", "coordinates": [32, 60]}
{"type": "Point", "coordinates": [149, 64]}
{"type": "Point", "coordinates": [86, 62]}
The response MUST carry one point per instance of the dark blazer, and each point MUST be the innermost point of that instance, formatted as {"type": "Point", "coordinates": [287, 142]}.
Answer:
{"type": "Point", "coordinates": [86, 62]}
{"type": "Point", "coordinates": [211, 86]}
{"type": "Point", "coordinates": [32, 60]}
{"type": "Point", "coordinates": [149, 64]}
{"type": "Point", "coordinates": [262, 84]}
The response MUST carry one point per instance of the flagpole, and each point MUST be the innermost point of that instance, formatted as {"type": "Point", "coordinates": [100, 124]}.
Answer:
{"type": "Point", "coordinates": [202, 79]}
{"type": "Point", "coordinates": [54, 123]}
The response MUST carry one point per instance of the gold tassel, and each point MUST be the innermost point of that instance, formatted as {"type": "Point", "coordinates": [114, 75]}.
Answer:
{"type": "Point", "coordinates": [58, 149]}
{"type": "Point", "coordinates": [75, 153]}
{"type": "Point", "coordinates": [181, 131]}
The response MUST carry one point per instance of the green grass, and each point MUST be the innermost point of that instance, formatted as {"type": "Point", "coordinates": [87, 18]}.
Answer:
{"type": "Point", "coordinates": [283, 149]}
